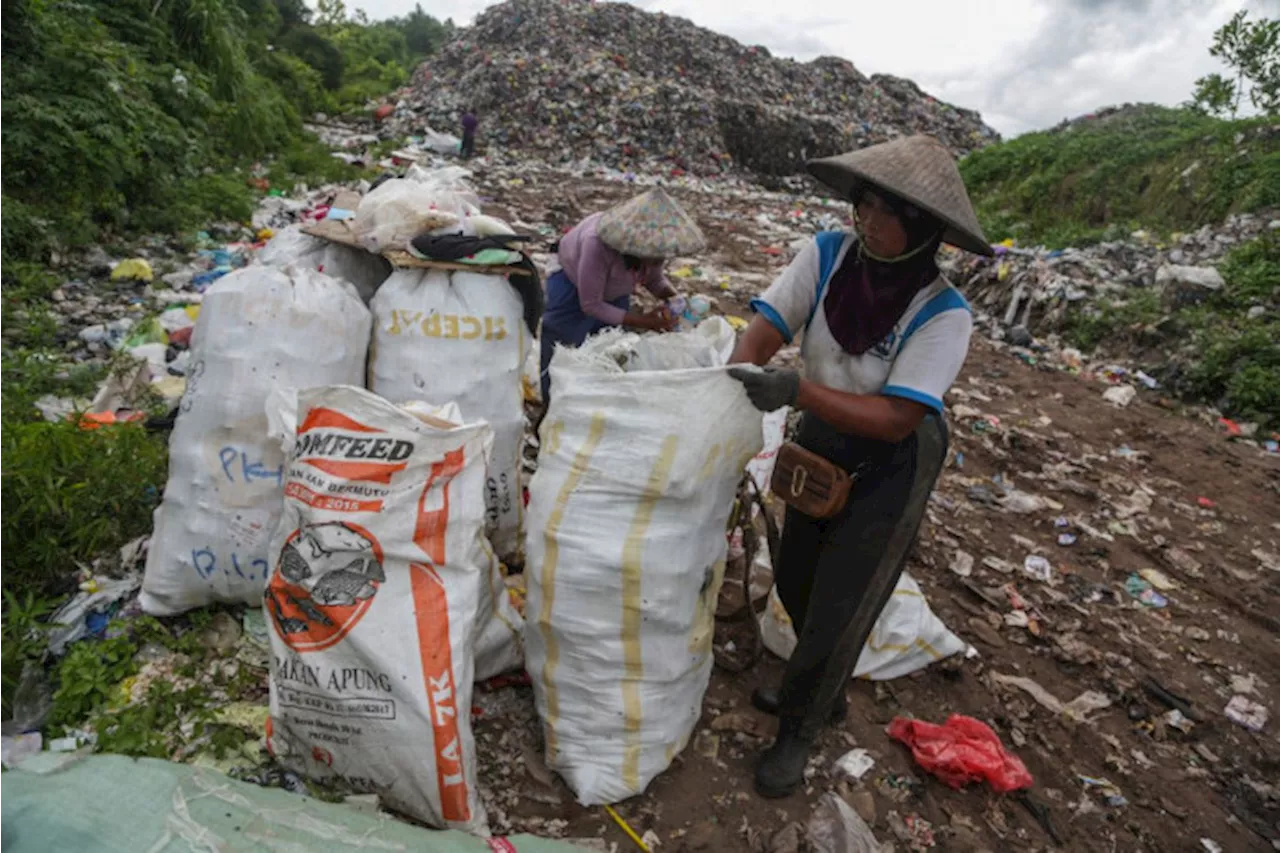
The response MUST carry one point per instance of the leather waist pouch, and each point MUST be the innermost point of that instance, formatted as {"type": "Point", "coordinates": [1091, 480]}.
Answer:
{"type": "Point", "coordinates": [813, 485]}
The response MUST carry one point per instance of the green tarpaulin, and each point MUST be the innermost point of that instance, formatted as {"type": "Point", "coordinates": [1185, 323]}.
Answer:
{"type": "Point", "coordinates": [113, 804]}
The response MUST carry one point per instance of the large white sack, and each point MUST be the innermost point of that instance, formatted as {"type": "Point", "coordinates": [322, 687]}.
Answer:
{"type": "Point", "coordinates": [364, 270]}
{"type": "Point", "coordinates": [626, 550]}
{"type": "Point", "coordinates": [378, 565]}
{"type": "Point", "coordinates": [907, 635]}
{"type": "Point", "coordinates": [460, 337]}
{"type": "Point", "coordinates": [260, 329]}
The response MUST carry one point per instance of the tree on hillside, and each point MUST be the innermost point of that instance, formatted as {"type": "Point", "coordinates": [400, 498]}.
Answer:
{"type": "Point", "coordinates": [423, 33]}
{"type": "Point", "coordinates": [1251, 52]}
{"type": "Point", "coordinates": [293, 13]}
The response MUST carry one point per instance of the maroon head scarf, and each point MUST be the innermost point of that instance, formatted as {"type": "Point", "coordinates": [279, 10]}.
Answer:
{"type": "Point", "coordinates": [866, 297]}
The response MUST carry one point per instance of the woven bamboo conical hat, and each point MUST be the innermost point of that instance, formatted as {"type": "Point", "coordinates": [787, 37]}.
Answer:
{"type": "Point", "coordinates": [917, 169]}
{"type": "Point", "coordinates": [651, 225]}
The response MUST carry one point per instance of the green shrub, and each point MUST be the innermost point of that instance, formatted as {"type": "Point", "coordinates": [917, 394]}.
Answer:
{"type": "Point", "coordinates": [1152, 167]}
{"type": "Point", "coordinates": [1237, 358]}
{"type": "Point", "coordinates": [70, 494]}
{"type": "Point", "coordinates": [22, 638]}
{"type": "Point", "coordinates": [88, 678]}
{"type": "Point", "coordinates": [1110, 319]}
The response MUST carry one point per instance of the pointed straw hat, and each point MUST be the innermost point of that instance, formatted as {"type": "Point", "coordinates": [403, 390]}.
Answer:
{"type": "Point", "coordinates": [652, 225]}
{"type": "Point", "coordinates": [917, 169]}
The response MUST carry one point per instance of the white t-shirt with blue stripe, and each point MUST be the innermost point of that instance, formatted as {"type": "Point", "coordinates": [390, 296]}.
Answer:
{"type": "Point", "coordinates": [918, 360]}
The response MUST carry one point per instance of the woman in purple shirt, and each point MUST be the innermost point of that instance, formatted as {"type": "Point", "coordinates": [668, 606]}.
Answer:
{"type": "Point", "coordinates": [603, 259]}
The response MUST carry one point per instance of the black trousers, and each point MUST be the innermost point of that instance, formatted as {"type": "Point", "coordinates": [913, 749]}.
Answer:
{"type": "Point", "coordinates": [834, 576]}
{"type": "Point", "coordinates": [468, 148]}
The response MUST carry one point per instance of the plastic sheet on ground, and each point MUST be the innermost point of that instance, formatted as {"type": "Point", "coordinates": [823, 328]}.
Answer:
{"type": "Point", "coordinates": [114, 804]}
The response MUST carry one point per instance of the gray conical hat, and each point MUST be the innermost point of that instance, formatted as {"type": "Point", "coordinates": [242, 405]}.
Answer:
{"type": "Point", "coordinates": [917, 169]}
{"type": "Point", "coordinates": [652, 225]}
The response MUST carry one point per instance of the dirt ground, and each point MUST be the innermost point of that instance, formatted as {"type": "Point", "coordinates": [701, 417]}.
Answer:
{"type": "Point", "coordinates": [1151, 486]}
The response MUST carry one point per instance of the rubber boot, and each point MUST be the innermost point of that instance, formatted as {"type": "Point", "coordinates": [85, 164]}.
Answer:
{"type": "Point", "coordinates": [766, 699]}
{"type": "Point", "coordinates": [781, 768]}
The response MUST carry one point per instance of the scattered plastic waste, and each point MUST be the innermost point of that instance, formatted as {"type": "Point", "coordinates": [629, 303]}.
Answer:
{"type": "Point", "coordinates": [88, 613]}
{"type": "Point", "coordinates": [834, 827]}
{"type": "Point", "coordinates": [1158, 579]}
{"type": "Point", "coordinates": [960, 751]}
{"type": "Point", "coordinates": [1038, 567]}
{"type": "Point", "coordinates": [1078, 708]}
{"type": "Point", "coordinates": [1120, 395]}
{"type": "Point", "coordinates": [1143, 591]}
{"type": "Point", "coordinates": [1175, 719]}
{"type": "Point", "coordinates": [1243, 711]}
{"type": "Point", "coordinates": [134, 269]}
{"type": "Point", "coordinates": [1106, 791]}
{"type": "Point", "coordinates": [855, 763]}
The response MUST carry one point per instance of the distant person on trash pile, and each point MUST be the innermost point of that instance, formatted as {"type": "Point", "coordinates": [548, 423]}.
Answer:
{"type": "Point", "coordinates": [603, 259]}
{"type": "Point", "coordinates": [469, 125]}
{"type": "Point", "coordinates": [884, 337]}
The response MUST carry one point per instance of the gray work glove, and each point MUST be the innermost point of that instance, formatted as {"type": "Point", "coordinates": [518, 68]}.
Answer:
{"type": "Point", "coordinates": [770, 388]}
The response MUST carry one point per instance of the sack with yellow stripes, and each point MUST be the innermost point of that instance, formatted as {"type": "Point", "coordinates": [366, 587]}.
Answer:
{"type": "Point", "coordinates": [907, 635]}
{"type": "Point", "coordinates": [379, 565]}
{"type": "Point", "coordinates": [641, 453]}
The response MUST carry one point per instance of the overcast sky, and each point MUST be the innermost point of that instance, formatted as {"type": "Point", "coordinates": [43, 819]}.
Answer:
{"type": "Point", "coordinates": [1024, 64]}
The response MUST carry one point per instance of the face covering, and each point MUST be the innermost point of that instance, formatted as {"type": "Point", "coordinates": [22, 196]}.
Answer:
{"type": "Point", "coordinates": [867, 295]}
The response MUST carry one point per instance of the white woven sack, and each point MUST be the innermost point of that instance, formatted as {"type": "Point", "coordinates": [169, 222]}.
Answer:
{"type": "Point", "coordinates": [626, 549]}
{"type": "Point", "coordinates": [378, 566]}
{"type": "Point", "coordinates": [362, 269]}
{"type": "Point", "coordinates": [260, 329]}
{"type": "Point", "coordinates": [460, 337]}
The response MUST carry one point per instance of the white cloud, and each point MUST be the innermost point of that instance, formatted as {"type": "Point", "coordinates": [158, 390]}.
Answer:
{"type": "Point", "coordinates": [1024, 64]}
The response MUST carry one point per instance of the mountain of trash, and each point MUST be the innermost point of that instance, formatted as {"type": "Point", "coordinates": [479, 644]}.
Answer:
{"type": "Point", "coordinates": [569, 80]}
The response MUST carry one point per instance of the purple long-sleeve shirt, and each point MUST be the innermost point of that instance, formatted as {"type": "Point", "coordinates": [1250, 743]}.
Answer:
{"type": "Point", "coordinates": [600, 274]}
{"type": "Point", "coordinates": [469, 123]}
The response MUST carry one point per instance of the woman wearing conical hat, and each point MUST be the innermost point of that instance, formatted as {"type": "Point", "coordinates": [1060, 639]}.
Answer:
{"type": "Point", "coordinates": [884, 337]}
{"type": "Point", "coordinates": [603, 259]}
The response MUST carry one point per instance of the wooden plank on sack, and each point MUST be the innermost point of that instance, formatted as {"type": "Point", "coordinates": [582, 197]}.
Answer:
{"type": "Point", "coordinates": [338, 230]}
{"type": "Point", "coordinates": [335, 231]}
{"type": "Point", "coordinates": [403, 259]}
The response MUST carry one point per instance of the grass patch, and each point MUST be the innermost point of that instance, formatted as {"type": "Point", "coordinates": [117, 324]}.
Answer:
{"type": "Point", "coordinates": [94, 687]}
{"type": "Point", "coordinates": [23, 639]}
{"type": "Point", "coordinates": [1113, 319]}
{"type": "Point", "coordinates": [1151, 167]}
{"type": "Point", "coordinates": [71, 494]}
{"type": "Point", "coordinates": [1238, 356]}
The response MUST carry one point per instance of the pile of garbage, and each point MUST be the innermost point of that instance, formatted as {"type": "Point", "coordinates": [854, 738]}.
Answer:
{"type": "Point", "coordinates": [1027, 292]}
{"type": "Point", "coordinates": [632, 89]}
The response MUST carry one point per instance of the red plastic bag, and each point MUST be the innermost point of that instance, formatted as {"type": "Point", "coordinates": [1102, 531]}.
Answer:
{"type": "Point", "coordinates": [960, 751]}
